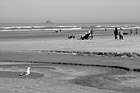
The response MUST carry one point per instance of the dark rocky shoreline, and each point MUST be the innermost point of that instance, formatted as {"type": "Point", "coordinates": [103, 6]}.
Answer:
{"type": "Point", "coordinates": [78, 53]}
{"type": "Point", "coordinates": [76, 64]}
{"type": "Point", "coordinates": [84, 53]}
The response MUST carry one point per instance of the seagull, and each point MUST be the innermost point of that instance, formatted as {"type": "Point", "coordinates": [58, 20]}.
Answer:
{"type": "Point", "coordinates": [26, 73]}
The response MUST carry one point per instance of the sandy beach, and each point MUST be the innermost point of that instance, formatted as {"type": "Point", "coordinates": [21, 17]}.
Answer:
{"type": "Point", "coordinates": [69, 46]}
{"type": "Point", "coordinates": [98, 44]}
{"type": "Point", "coordinates": [62, 65]}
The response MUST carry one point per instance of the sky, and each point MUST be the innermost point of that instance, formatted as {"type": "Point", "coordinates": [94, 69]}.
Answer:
{"type": "Point", "coordinates": [69, 11]}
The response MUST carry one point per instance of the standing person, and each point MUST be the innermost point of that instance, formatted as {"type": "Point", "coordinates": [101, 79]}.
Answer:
{"type": "Point", "coordinates": [136, 30]}
{"type": "Point", "coordinates": [121, 34]}
{"type": "Point", "coordinates": [116, 33]}
{"type": "Point", "coordinates": [131, 30]}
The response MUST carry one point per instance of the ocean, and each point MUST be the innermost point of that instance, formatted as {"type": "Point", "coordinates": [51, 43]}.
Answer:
{"type": "Point", "coordinates": [64, 26]}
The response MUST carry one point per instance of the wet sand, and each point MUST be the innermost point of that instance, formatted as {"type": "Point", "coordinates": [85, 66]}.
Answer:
{"type": "Point", "coordinates": [67, 72]}
{"type": "Point", "coordinates": [68, 78]}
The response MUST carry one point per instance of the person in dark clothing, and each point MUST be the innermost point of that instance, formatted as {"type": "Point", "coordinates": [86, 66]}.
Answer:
{"type": "Point", "coordinates": [116, 33]}
{"type": "Point", "coordinates": [85, 36]}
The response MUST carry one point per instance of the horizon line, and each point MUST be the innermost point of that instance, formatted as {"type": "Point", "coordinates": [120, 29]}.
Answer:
{"type": "Point", "coordinates": [69, 22]}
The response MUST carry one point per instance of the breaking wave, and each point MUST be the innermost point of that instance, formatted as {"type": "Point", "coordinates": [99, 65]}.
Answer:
{"type": "Point", "coordinates": [31, 27]}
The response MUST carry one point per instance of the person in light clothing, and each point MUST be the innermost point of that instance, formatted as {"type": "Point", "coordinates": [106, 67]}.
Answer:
{"type": "Point", "coordinates": [121, 34]}
{"type": "Point", "coordinates": [91, 31]}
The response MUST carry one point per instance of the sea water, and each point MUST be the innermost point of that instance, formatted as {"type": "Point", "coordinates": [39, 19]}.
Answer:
{"type": "Point", "coordinates": [64, 26]}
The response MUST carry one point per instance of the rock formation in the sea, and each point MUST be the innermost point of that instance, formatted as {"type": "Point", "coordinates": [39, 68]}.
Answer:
{"type": "Point", "coordinates": [49, 22]}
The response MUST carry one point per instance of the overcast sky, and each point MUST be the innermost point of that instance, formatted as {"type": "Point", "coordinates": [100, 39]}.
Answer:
{"type": "Point", "coordinates": [69, 11]}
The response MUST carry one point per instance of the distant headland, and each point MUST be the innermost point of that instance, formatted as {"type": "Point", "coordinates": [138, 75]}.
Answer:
{"type": "Point", "coordinates": [48, 22]}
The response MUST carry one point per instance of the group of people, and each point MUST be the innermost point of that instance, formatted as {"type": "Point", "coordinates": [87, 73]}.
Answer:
{"type": "Point", "coordinates": [132, 32]}
{"type": "Point", "coordinates": [118, 34]}
{"type": "Point", "coordinates": [87, 35]}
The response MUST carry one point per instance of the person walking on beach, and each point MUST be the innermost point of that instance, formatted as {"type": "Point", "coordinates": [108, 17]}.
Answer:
{"type": "Point", "coordinates": [116, 33]}
{"type": "Point", "coordinates": [121, 34]}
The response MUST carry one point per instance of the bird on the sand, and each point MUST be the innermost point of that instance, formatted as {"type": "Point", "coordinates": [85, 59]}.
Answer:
{"type": "Point", "coordinates": [26, 73]}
